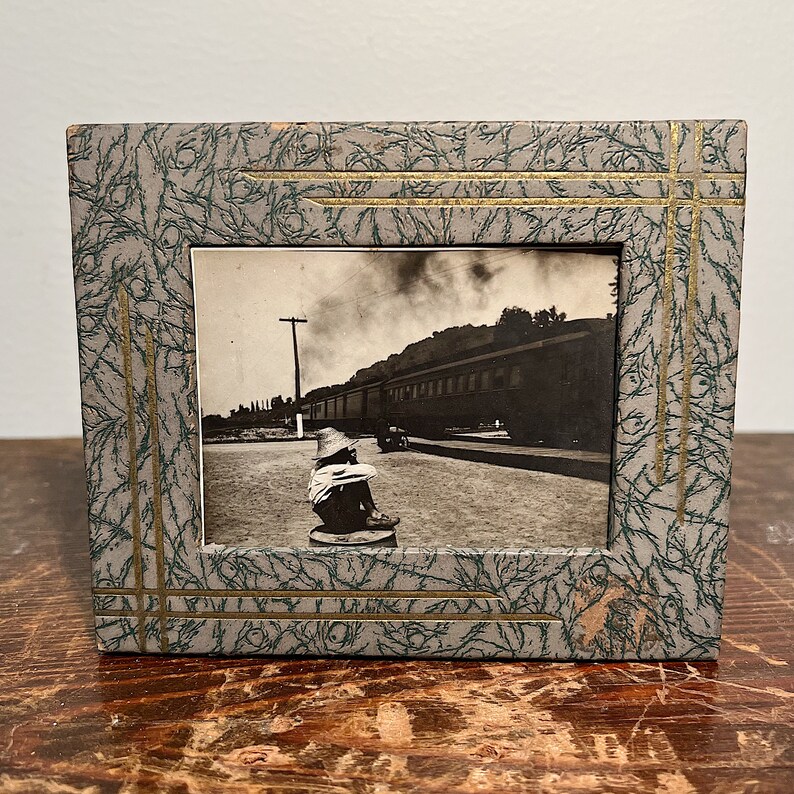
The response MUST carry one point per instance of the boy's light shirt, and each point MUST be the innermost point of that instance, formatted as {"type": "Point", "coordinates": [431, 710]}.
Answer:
{"type": "Point", "coordinates": [325, 478]}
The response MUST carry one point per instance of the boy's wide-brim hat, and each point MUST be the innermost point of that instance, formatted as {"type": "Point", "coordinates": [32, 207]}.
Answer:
{"type": "Point", "coordinates": [331, 441]}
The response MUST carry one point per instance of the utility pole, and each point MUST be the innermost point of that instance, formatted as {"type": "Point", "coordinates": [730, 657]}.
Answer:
{"type": "Point", "coordinates": [299, 414]}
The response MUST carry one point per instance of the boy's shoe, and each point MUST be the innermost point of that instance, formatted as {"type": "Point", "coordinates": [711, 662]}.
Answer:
{"type": "Point", "coordinates": [383, 523]}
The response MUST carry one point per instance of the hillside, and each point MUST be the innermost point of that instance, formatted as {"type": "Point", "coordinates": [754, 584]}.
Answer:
{"type": "Point", "coordinates": [442, 344]}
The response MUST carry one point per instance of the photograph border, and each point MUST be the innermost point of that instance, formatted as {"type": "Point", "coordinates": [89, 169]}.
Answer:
{"type": "Point", "coordinates": [606, 251]}
{"type": "Point", "coordinates": [670, 193]}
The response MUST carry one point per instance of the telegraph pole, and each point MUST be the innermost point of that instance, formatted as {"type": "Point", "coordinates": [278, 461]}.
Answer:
{"type": "Point", "coordinates": [299, 414]}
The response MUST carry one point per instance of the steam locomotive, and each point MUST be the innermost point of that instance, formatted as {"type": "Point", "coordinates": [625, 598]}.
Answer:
{"type": "Point", "coordinates": [555, 391]}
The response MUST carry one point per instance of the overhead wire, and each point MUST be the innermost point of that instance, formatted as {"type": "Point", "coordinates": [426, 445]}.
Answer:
{"type": "Point", "coordinates": [350, 278]}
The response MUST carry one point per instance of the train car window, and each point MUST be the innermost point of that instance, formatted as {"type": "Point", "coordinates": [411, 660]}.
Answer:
{"type": "Point", "coordinates": [440, 386]}
{"type": "Point", "coordinates": [431, 386]}
{"type": "Point", "coordinates": [414, 391]}
{"type": "Point", "coordinates": [472, 384]}
{"type": "Point", "coordinates": [499, 378]}
{"type": "Point", "coordinates": [449, 386]}
{"type": "Point", "coordinates": [423, 388]}
{"type": "Point", "coordinates": [515, 377]}
{"type": "Point", "coordinates": [459, 383]}
{"type": "Point", "coordinates": [485, 379]}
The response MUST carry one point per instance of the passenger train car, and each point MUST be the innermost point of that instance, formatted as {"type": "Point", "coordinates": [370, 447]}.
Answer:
{"type": "Point", "coordinates": [557, 391]}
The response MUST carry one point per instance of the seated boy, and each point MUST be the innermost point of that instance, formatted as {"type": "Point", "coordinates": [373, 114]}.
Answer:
{"type": "Point", "coordinates": [339, 487]}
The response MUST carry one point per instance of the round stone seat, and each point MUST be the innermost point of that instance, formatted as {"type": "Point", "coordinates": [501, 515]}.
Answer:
{"type": "Point", "coordinates": [363, 537]}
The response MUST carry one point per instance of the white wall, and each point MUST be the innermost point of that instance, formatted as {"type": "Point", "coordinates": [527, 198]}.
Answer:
{"type": "Point", "coordinates": [233, 60]}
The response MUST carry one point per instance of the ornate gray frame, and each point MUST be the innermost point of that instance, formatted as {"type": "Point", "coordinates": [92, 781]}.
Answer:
{"type": "Point", "coordinates": [671, 193]}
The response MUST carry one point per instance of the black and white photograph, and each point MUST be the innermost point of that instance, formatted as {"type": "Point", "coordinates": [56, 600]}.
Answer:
{"type": "Point", "coordinates": [442, 397]}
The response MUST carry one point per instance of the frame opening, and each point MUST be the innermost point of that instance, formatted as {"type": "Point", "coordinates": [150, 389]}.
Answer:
{"type": "Point", "coordinates": [498, 420]}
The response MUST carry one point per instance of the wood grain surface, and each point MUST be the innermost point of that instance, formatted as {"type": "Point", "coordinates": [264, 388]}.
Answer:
{"type": "Point", "coordinates": [72, 720]}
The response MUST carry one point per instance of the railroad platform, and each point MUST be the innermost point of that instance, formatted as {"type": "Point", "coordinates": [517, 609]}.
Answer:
{"type": "Point", "coordinates": [570, 462]}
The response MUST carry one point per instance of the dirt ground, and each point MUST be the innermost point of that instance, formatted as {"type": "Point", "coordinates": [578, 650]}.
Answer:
{"type": "Point", "coordinates": [256, 495]}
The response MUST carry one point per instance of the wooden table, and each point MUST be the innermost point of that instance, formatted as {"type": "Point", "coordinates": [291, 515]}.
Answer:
{"type": "Point", "coordinates": [72, 720]}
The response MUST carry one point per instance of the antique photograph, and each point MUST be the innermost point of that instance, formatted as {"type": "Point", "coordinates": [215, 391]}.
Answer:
{"type": "Point", "coordinates": [414, 397]}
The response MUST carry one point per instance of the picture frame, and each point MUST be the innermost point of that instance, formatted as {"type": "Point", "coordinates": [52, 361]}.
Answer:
{"type": "Point", "coordinates": [670, 194]}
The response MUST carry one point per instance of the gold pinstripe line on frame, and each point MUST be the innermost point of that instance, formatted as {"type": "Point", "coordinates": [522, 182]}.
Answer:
{"type": "Point", "coordinates": [132, 441]}
{"type": "Point", "coordinates": [478, 176]}
{"type": "Point", "coordinates": [508, 201]}
{"type": "Point", "coordinates": [157, 498]}
{"type": "Point", "coordinates": [210, 593]}
{"type": "Point", "coordinates": [691, 308]}
{"type": "Point", "coordinates": [667, 295]}
{"type": "Point", "coordinates": [513, 617]}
